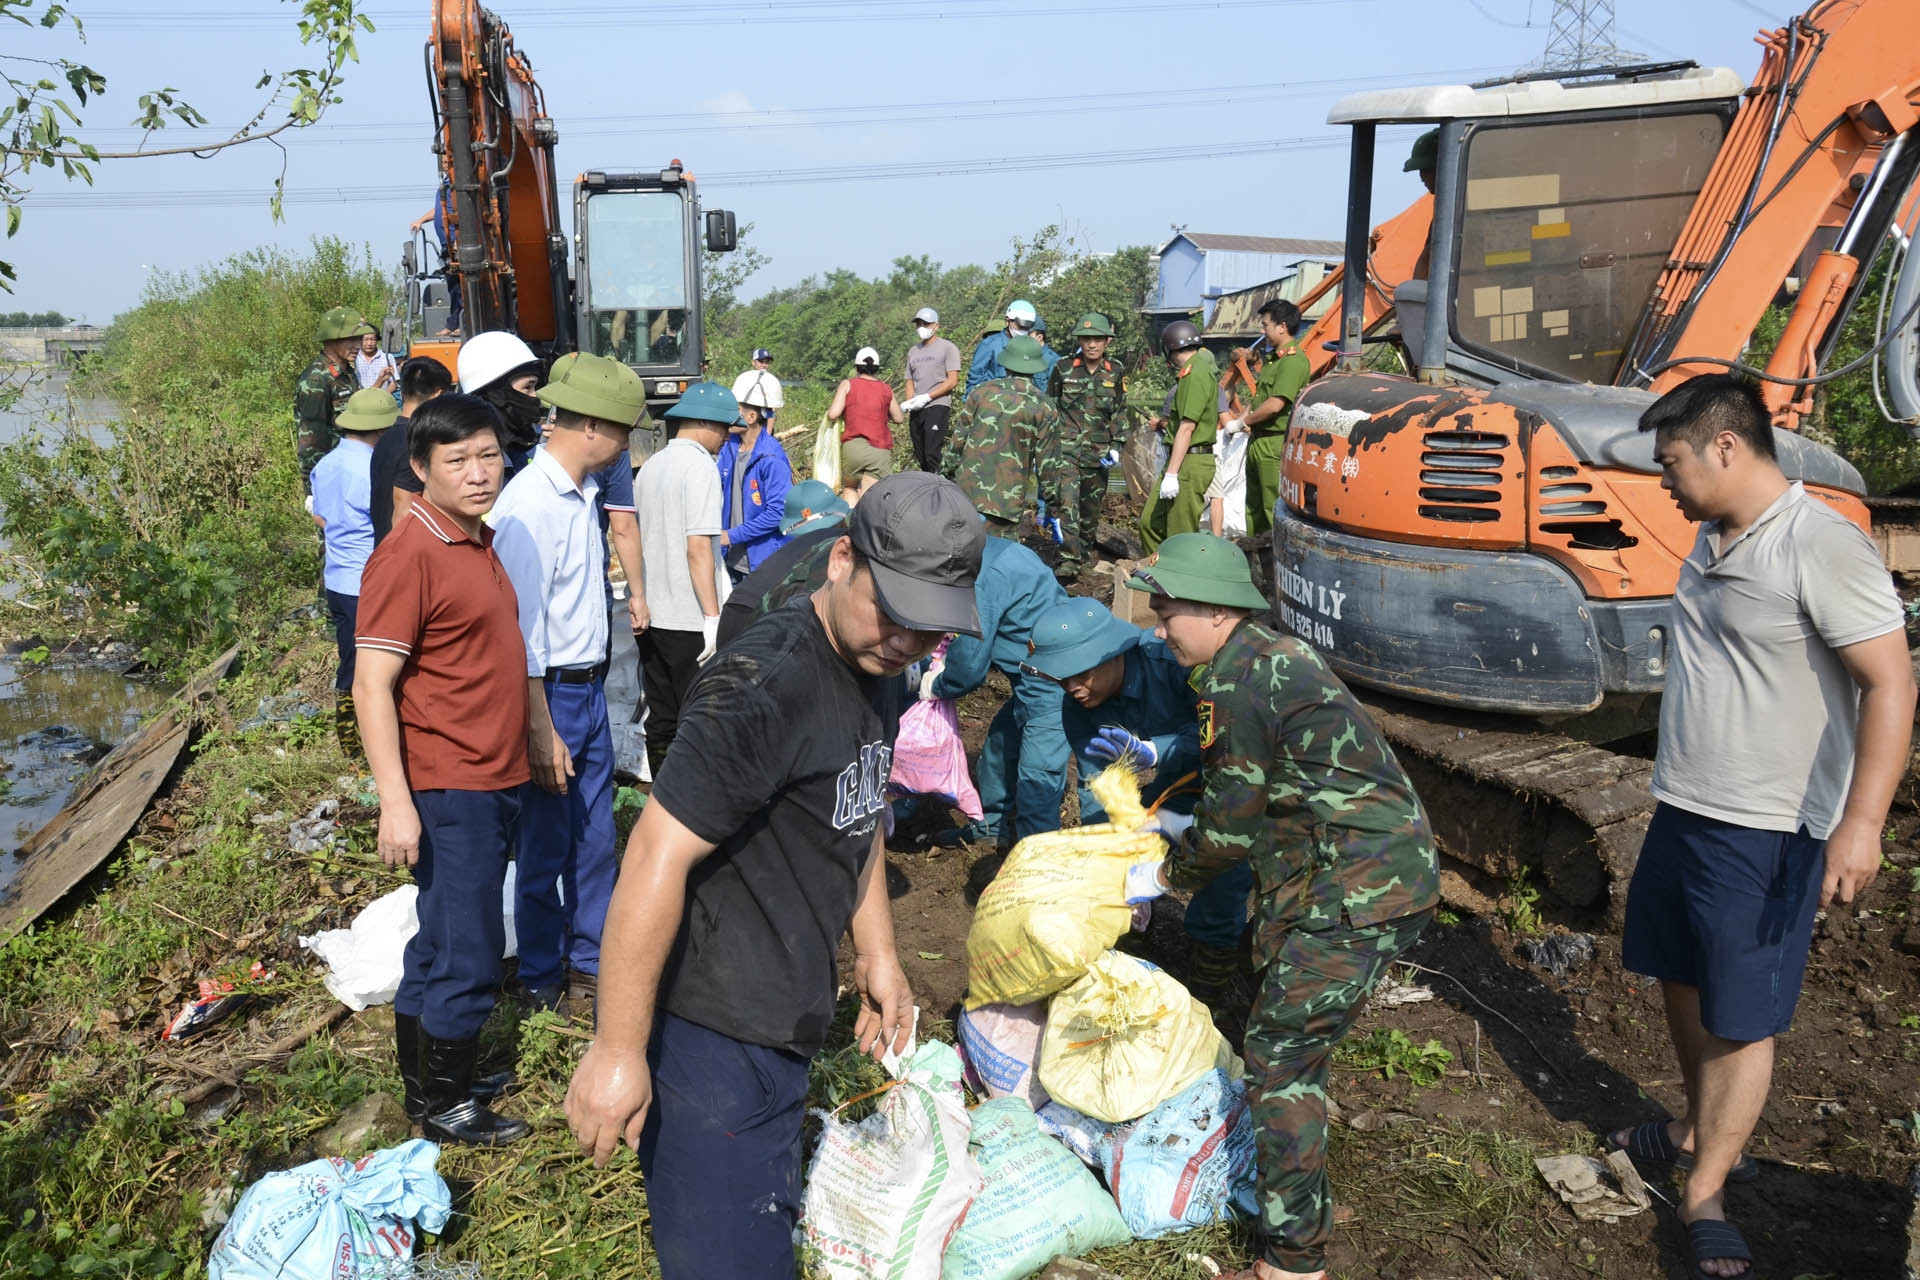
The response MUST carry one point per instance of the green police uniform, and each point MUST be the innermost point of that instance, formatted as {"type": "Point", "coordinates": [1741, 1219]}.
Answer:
{"type": "Point", "coordinates": [1196, 399]}
{"type": "Point", "coordinates": [1283, 376]}
{"type": "Point", "coordinates": [321, 392]}
{"type": "Point", "coordinates": [1298, 782]}
{"type": "Point", "coordinates": [1092, 398]}
{"type": "Point", "coordinates": [1005, 441]}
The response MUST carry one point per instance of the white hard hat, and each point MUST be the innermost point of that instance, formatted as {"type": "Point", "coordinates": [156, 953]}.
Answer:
{"type": "Point", "coordinates": [485, 358]}
{"type": "Point", "coordinates": [866, 355]}
{"type": "Point", "coordinates": [1022, 311]}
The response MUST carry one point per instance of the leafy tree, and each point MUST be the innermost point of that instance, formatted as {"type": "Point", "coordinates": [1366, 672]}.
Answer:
{"type": "Point", "coordinates": [31, 319]}
{"type": "Point", "coordinates": [41, 99]}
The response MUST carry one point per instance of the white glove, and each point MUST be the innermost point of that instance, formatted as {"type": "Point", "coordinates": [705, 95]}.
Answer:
{"type": "Point", "coordinates": [916, 402]}
{"type": "Point", "coordinates": [1232, 425]}
{"type": "Point", "coordinates": [710, 637]}
{"type": "Point", "coordinates": [1169, 486]}
{"type": "Point", "coordinates": [1171, 825]}
{"type": "Point", "coordinates": [1143, 882]}
{"type": "Point", "coordinates": [926, 683]}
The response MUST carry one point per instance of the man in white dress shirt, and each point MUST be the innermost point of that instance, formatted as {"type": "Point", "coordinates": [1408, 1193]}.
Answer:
{"type": "Point", "coordinates": [547, 535]}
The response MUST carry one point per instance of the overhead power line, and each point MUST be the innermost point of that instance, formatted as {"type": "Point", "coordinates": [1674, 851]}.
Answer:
{"type": "Point", "coordinates": [418, 193]}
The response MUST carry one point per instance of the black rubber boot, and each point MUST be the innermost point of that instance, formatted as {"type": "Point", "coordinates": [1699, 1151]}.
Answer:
{"type": "Point", "coordinates": [453, 1113]}
{"type": "Point", "coordinates": [406, 1043]}
{"type": "Point", "coordinates": [1210, 973]}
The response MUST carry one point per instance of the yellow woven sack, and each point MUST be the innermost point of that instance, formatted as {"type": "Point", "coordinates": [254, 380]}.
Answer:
{"type": "Point", "coordinates": [826, 454]}
{"type": "Point", "coordinates": [1059, 901]}
{"type": "Point", "coordinates": [1125, 1038]}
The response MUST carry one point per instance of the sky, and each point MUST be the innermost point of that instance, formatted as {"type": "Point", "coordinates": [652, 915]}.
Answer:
{"type": "Point", "coordinates": [1117, 121]}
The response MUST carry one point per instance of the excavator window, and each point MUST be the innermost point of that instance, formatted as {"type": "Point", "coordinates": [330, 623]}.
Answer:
{"type": "Point", "coordinates": [636, 276]}
{"type": "Point", "coordinates": [1565, 225]}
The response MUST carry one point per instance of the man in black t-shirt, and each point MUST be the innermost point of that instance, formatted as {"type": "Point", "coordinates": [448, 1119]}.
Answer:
{"type": "Point", "coordinates": [421, 379]}
{"type": "Point", "coordinates": [762, 846]}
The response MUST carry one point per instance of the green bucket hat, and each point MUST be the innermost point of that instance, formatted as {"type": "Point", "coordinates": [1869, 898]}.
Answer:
{"type": "Point", "coordinates": [597, 387]}
{"type": "Point", "coordinates": [1093, 325]}
{"type": "Point", "coordinates": [1023, 355]}
{"type": "Point", "coordinates": [370, 410]}
{"type": "Point", "coordinates": [706, 402]}
{"type": "Point", "coordinates": [1201, 568]}
{"type": "Point", "coordinates": [808, 502]}
{"type": "Point", "coordinates": [1425, 154]}
{"type": "Point", "coordinates": [343, 322]}
{"type": "Point", "coordinates": [1077, 635]}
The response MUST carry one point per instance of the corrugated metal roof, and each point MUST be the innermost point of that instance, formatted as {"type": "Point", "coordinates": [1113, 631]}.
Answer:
{"type": "Point", "coordinates": [1265, 244]}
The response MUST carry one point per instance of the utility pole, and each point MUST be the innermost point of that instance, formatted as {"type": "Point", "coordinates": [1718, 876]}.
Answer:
{"type": "Point", "coordinates": [1580, 39]}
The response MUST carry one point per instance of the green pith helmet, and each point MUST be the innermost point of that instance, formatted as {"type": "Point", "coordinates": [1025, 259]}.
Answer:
{"type": "Point", "coordinates": [343, 322]}
{"type": "Point", "coordinates": [1077, 635]}
{"type": "Point", "coordinates": [371, 409]}
{"type": "Point", "coordinates": [808, 502]}
{"type": "Point", "coordinates": [597, 387]}
{"type": "Point", "coordinates": [1093, 325]}
{"type": "Point", "coordinates": [1023, 355]}
{"type": "Point", "coordinates": [1425, 154]}
{"type": "Point", "coordinates": [1201, 568]}
{"type": "Point", "coordinates": [706, 402]}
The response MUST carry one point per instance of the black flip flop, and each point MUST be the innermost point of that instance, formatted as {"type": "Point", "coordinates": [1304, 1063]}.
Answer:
{"type": "Point", "coordinates": [1713, 1238]}
{"type": "Point", "coordinates": [1648, 1141]}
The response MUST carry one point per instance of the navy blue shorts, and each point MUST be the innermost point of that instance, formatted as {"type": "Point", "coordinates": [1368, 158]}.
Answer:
{"type": "Point", "coordinates": [1729, 910]}
{"type": "Point", "coordinates": [721, 1154]}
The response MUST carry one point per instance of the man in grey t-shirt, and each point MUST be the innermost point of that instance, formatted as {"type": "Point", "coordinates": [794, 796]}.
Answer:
{"type": "Point", "coordinates": [933, 370]}
{"type": "Point", "coordinates": [677, 496]}
{"type": "Point", "coordinates": [1784, 730]}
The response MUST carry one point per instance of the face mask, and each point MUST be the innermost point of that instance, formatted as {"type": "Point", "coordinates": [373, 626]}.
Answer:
{"type": "Point", "coordinates": [924, 332]}
{"type": "Point", "coordinates": [522, 412]}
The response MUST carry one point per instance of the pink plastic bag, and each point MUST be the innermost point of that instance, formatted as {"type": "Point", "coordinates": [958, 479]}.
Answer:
{"type": "Point", "coordinates": [929, 758]}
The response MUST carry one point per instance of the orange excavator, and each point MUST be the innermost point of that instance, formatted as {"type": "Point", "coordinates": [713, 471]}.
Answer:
{"type": "Point", "coordinates": [1489, 534]}
{"type": "Point", "coordinates": [630, 288]}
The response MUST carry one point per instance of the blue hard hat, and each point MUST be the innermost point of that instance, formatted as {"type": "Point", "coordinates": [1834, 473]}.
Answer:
{"type": "Point", "coordinates": [707, 402]}
{"type": "Point", "coordinates": [1078, 635]}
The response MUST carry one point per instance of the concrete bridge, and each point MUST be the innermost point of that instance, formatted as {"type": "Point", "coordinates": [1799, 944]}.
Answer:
{"type": "Point", "coordinates": [61, 348]}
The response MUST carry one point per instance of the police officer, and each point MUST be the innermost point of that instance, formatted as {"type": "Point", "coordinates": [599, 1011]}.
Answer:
{"type": "Point", "coordinates": [1196, 413]}
{"type": "Point", "coordinates": [1022, 768]}
{"type": "Point", "coordinates": [1090, 391]}
{"type": "Point", "coordinates": [1279, 384]}
{"type": "Point", "coordinates": [323, 390]}
{"type": "Point", "coordinates": [1127, 695]}
{"type": "Point", "coordinates": [1299, 783]}
{"type": "Point", "coordinates": [1004, 442]}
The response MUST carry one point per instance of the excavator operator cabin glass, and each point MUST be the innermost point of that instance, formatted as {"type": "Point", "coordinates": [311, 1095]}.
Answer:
{"type": "Point", "coordinates": [636, 276]}
{"type": "Point", "coordinates": [1564, 227]}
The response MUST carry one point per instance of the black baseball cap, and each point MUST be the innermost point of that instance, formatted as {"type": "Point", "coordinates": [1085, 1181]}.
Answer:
{"type": "Point", "coordinates": [923, 540]}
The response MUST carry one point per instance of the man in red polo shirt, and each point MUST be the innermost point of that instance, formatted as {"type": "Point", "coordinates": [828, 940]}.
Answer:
{"type": "Point", "coordinates": [440, 686]}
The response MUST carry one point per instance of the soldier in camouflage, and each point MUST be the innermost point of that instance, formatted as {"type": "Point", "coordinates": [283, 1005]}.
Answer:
{"type": "Point", "coordinates": [1298, 782]}
{"type": "Point", "coordinates": [326, 386]}
{"type": "Point", "coordinates": [1090, 392]}
{"type": "Point", "coordinates": [1005, 442]}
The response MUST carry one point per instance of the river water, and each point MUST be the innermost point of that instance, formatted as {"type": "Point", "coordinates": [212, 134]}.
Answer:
{"type": "Point", "coordinates": [56, 718]}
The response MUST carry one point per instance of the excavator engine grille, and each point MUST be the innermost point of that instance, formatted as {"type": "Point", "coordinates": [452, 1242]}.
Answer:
{"type": "Point", "coordinates": [1570, 508]}
{"type": "Point", "coordinates": [1460, 476]}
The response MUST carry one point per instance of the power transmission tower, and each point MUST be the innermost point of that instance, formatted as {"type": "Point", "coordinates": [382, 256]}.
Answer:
{"type": "Point", "coordinates": [1581, 39]}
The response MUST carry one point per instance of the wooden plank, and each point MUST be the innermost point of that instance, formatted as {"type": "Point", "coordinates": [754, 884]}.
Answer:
{"type": "Point", "coordinates": [108, 804]}
{"type": "Point", "coordinates": [1130, 606]}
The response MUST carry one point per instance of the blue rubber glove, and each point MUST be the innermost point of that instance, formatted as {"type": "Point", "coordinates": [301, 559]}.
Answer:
{"type": "Point", "coordinates": [1053, 530]}
{"type": "Point", "coordinates": [1112, 742]}
{"type": "Point", "coordinates": [1111, 458]}
{"type": "Point", "coordinates": [1143, 882]}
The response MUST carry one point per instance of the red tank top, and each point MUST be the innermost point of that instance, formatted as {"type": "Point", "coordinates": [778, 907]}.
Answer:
{"type": "Point", "coordinates": [866, 412]}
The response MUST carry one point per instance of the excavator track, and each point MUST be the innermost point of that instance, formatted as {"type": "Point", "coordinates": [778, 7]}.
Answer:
{"type": "Point", "coordinates": [1505, 796]}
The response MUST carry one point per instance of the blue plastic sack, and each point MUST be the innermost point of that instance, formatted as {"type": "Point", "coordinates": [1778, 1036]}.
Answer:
{"type": "Point", "coordinates": [334, 1219]}
{"type": "Point", "coordinates": [1186, 1162]}
{"type": "Point", "coordinates": [1038, 1202]}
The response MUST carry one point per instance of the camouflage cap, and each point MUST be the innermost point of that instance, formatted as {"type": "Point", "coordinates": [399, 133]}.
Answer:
{"type": "Point", "coordinates": [1202, 568]}
{"type": "Point", "coordinates": [1425, 154]}
{"type": "Point", "coordinates": [596, 387]}
{"type": "Point", "coordinates": [1093, 325]}
{"type": "Point", "coordinates": [372, 409]}
{"type": "Point", "coordinates": [1023, 355]}
{"type": "Point", "coordinates": [1077, 635]}
{"type": "Point", "coordinates": [343, 322]}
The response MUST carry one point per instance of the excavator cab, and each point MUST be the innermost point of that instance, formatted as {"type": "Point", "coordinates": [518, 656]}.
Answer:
{"type": "Point", "coordinates": [638, 239]}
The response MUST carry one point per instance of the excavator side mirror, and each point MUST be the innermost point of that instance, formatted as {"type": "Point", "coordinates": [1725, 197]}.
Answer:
{"type": "Point", "coordinates": [722, 237]}
{"type": "Point", "coordinates": [409, 260]}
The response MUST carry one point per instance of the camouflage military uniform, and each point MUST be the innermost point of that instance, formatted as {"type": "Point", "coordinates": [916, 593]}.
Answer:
{"type": "Point", "coordinates": [1092, 400]}
{"type": "Point", "coordinates": [318, 397]}
{"type": "Point", "coordinates": [1004, 442]}
{"type": "Point", "coordinates": [1301, 784]}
